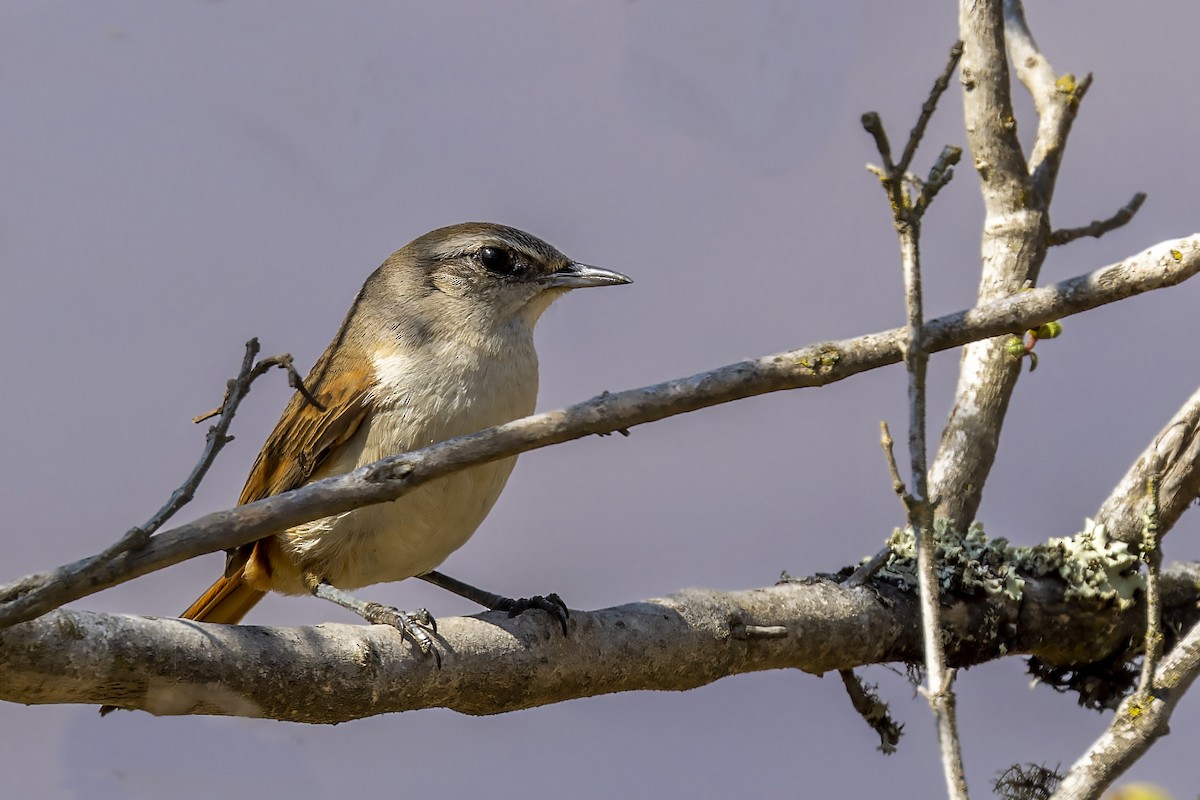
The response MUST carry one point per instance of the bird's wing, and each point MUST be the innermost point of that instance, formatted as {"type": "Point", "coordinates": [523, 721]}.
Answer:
{"type": "Point", "coordinates": [306, 435]}
{"type": "Point", "coordinates": [304, 439]}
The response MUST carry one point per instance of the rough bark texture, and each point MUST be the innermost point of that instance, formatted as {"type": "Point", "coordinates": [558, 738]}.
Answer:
{"type": "Point", "coordinates": [492, 664]}
{"type": "Point", "coordinates": [1016, 233]}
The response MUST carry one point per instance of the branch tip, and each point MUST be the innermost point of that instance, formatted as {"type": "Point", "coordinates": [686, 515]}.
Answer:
{"type": "Point", "coordinates": [1101, 226]}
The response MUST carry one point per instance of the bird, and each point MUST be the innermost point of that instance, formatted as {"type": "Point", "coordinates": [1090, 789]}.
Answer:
{"type": "Point", "coordinates": [438, 343]}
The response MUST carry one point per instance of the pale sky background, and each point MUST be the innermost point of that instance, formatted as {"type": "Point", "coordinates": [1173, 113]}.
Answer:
{"type": "Point", "coordinates": [178, 177]}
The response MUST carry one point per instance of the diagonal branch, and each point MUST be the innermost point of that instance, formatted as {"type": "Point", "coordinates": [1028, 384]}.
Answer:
{"type": "Point", "coordinates": [928, 107]}
{"type": "Point", "coordinates": [1015, 232]}
{"type": "Point", "coordinates": [1165, 264]}
{"type": "Point", "coordinates": [217, 437]}
{"type": "Point", "coordinates": [1055, 98]}
{"type": "Point", "coordinates": [1175, 456]}
{"type": "Point", "coordinates": [1137, 724]}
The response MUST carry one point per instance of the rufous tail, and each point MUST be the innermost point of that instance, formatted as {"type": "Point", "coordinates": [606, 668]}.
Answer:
{"type": "Point", "coordinates": [226, 601]}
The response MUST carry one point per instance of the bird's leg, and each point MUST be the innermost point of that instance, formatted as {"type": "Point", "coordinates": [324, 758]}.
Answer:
{"type": "Point", "coordinates": [551, 603]}
{"type": "Point", "coordinates": [416, 625]}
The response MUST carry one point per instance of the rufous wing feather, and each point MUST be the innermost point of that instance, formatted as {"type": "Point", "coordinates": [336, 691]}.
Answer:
{"type": "Point", "coordinates": [302, 441]}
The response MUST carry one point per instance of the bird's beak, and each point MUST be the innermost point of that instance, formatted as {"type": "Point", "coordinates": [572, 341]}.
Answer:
{"type": "Point", "coordinates": [580, 276]}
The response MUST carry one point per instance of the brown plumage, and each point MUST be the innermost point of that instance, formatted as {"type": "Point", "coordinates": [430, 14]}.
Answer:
{"type": "Point", "coordinates": [438, 343]}
{"type": "Point", "coordinates": [296, 449]}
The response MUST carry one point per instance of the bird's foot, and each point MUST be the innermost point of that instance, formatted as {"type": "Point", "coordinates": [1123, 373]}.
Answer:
{"type": "Point", "coordinates": [551, 604]}
{"type": "Point", "coordinates": [416, 625]}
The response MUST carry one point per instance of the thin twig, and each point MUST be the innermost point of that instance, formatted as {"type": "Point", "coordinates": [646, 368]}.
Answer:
{"type": "Point", "coordinates": [215, 440]}
{"type": "Point", "coordinates": [895, 175]}
{"type": "Point", "coordinates": [918, 507]}
{"type": "Point", "coordinates": [873, 125]}
{"type": "Point", "coordinates": [1152, 553]}
{"type": "Point", "coordinates": [929, 106]}
{"type": "Point", "coordinates": [939, 175]}
{"type": "Point", "coordinates": [217, 437]}
{"type": "Point", "coordinates": [920, 517]}
{"type": "Point", "coordinates": [867, 570]}
{"type": "Point", "coordinates": [892, 181]}
{"type": "Point", "coordinates": [820, 364]}
{"type": "Point", "coordinates": [295, 381]}
{"type": "Point", "coordinates": [869, 707]}
{"type": "Point", "coordinates": [889, 455]}
{"type": "Point", "coordinates": [1101, 226]}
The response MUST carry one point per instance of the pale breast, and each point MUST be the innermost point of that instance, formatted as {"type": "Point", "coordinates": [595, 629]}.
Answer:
{"type": "Point", "coordinates": [414, 406]}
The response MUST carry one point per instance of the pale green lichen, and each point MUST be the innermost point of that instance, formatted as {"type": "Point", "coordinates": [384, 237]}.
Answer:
{"type": "Point", "coordinates": [1094, 566]}
{"type": "Point", "coordinates": [972, 564]}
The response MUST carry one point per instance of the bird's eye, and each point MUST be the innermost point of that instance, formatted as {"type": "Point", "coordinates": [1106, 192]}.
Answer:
{"type": "Point", "coordinates": [496, 259]}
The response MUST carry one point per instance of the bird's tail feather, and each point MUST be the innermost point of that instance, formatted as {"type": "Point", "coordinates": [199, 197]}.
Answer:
{"type": "Point", "coordinates": [226, 601]}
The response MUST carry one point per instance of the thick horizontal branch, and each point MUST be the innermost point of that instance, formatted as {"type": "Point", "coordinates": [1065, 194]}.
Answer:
{"type": "Point", "coordinates": [1163, 265]}
{"type": "Point", "coordinates": [493, 663]}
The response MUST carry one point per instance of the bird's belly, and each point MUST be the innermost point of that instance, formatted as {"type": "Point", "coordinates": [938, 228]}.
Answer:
{"type": "Point", "coordinates": [392, 541]}
{"type": "Point", "coordinates": [411, 535]}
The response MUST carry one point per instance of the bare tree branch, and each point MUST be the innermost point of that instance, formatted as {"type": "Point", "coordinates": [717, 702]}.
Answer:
{"type": "Point", "coordinates": [1056, 99]}
{"type": "Point", "coordinates": [1175, 454]}
{"type": "Point", "coordinates": [1015, 231]}
{"type": "Point", "coordinates": [1101, 226]}
{"type": "Point", "coordinates": [873, 710]}
{"type": "Point", "coordinates": [494, 663]}
{"type": "Point", "coordinates": [991, 125]}
{"type": "Point", "coordinates": [928, 107]}
{"type": "Point", "coordinates": [817, 365]}
{"type": "Point", "coordinates": [939, 680]}
{"type": "Point", "coordinates": [918, 506]}
{"type": "Point", "coordinates": [218, 436]}
{"type": "Point", "coordinates": [1168, 475]}
{"type": "Point", "coordinates": [1153, 556]}
{"type": "Point", "coordinates": [1137, 724]}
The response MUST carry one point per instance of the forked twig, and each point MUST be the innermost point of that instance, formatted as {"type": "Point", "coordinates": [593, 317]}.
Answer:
{"type": "Point", "coordinates": [907, 214]}
{"type": "Point", "coordinates": [217, 437]}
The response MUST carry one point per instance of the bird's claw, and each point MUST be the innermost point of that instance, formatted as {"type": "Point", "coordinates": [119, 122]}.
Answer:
{"type": "Point", "coordinates": [416, 625]}
{"type": "Point", "coordinates": [551, 603]}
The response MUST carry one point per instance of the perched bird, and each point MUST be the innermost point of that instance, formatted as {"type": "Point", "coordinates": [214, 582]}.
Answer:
{"type": "Point", "coordinates": [438, 343]}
